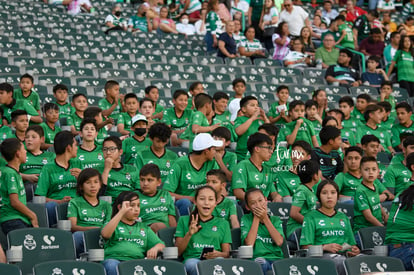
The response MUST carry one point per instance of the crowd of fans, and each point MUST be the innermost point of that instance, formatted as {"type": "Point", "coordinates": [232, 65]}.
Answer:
{"type": "Point", "coordinates": [297, 152]}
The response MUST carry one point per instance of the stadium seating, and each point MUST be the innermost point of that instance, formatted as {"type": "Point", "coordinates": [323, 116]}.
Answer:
{"type": "Point", "coordinates": [10, 269]}
{"type": "Point", "coordinates": [367, 264]}
{"type": "Point", "coordinates": [371, 236]}
{"type": "Point", "coordinates": [68, 267]}
{"type": "Point", "coordinates": [228, 266]}
{"type": "Point", "coordinates": [40, 210]}
{"type": "Point", "coordinates": [304, 266]}
{"type": "Point", "coordinates": [151, 267]}
{"type": "Point", "coordinates": [167, 235]}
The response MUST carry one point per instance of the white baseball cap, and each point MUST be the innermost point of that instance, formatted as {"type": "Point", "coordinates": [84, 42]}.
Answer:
{"type": "Point", "coordinates": [204, 141]}
{"type": "Point", "coordinates": [138, 117]}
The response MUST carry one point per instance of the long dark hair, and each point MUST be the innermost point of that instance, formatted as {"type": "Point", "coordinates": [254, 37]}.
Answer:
{"type": "Point", "coordinates": [280, 28]}
{"type": "Point", "coordinates": [85, 175]}
{"type": "Point", "coordinates": [401, 45]}
{"type": "Point", "coordinates": [407, 199]}
{"type": "Point", "coordinates": [123, 196]}
{"type": "Point", "coordinates": [322, 185]}
{"type": "Point", "coordinates": [197, 193]}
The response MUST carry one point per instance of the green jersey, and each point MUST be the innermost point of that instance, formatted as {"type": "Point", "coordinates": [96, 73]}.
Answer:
{"type": "Point", "coordinates": [49, 132]}
{"type": "Point", "coordinates": [274, 112]}
{"type": "Point", "coordinates": [286, 183]}
{"type": "Point", "coordinates": [102, 134]}
{"type": "Point", "coordinates": [348, 40]}
{"type": "Point", "coordinates": [280, 160]}
{"type": "Point", "coordinates": [164, 162]}
{"type": "Point", "coordinates": [156, 208]}
{"type": "Point", "coordinates": [241, 148]}
{"type": "Point", "coordinates": [138, 22]}
{"type": "Point", "coordinates": [121, 179]}
{"type": "Point", "coordinates": [305, 199]}
{"type": "Point", "coordinates": [246, 175]}
{"type": "Point", "coordinates": [56, 182]}
{"type": "Point", "coordinates": [398, 129]}
{"type": "Point", "coordinates": [351, 123]}
{"type": "Point", "coordinates": [318, 127]}
{"type": "Point", "coordinates": [397, 176]}
{"type": "Point", "coordinates": [11, 183]}
{"type": "Point", "coordinates": [230, 160]}
{"type": "Point", "coordinates": [131, 146]}
{"type": "Point", "coordinates": [17, 104]}
{"type": "Point", "coordinates": [347, 133]}
{"type": "Point", "coordinates": [91, 159]}
{"type": "Point", "coordinates": [347, 183]}
{"type": "Point", "coordinates": [130, 242]}
{"type": "Point", "coordinates": [224, 120]}
{"type": "Point", "coordinates": [184, 178]}
{"type": "Point", "coordinates": [5, 132]}
{"type": "Point", "coordinates": [306, 131]}
{"type": "Point", "coordinates": [213, 233]}
{"type": "Point", "coordinates": [366, 199]}
{"type": "Point", "coordinates": [381, 133]}
{"type": "Point", "coordinates": [320, 229]}
{"type": "Point", "coordinates": [198, 118]}
{"type": "Point", "coordinates": [225, 209]}
{"type": "Point", "coordinates": [33, 98]}
{"type": "Point", "coordinates": [264, 246]}
{"type": "Point", "coordinates": [400, 226]}
{"type": "Point", "coordinates": [125, 119]}
{"type": "Point", "coordinates": [404, 63]}
{"type": "Point", "coordinates": [87, 214]}
{"type": "Point", "coordinates": [65, 110]}
{"type": "Point", "coordinates": [104, 104]}
{"type": "Point", "coordinates": [399, 157]}
{"type": "Point", "coordinates": [177, 123]}
{"type": "Point", "coordinates": [75, 120]}
{"type": "Point", "coordinates": [34, 163]}
{"type": "Point", "coordinates": [213, 23]}
{"type": "Point", "coordinates": [158, 109]}
{"type": "Point", "coordinates": [358, 115]}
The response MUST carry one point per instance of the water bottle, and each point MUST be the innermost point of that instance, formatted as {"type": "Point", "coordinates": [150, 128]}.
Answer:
{"type": "Point", "coordinates": [319, 64]}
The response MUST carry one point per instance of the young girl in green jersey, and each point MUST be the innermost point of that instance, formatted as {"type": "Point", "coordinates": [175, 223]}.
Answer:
{"type": "Point", "coordinates": [87, 211]}
{"type": "Point", "coordinates": [328, 227]}
{"type": "Point", "coordinates": [202, 230]}
{"type": "Point", "coordinates": [127, 239]}
{"type": "Point", "coordinates": [263, 232]}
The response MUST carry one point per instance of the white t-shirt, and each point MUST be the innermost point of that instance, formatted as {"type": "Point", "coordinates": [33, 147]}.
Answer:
{"type": "Point", "coordinates": [188, 29]}
{"type": "Point", "coordinates": [242, 5]}
{"type": "Point", "coordinates": [294, 56]}
{"type": "Point", "coordinates": [268, 17]}
{"type": "Point", "coordinates": [386, 5]}
{"type": "Point", "coordinates": [197, 26]}
{"type": "Point", "coordinates": [295, 19]}
{"type": "Point", "coordinates": [75, 6]}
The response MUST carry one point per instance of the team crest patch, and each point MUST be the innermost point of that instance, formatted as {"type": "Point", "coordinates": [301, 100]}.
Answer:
{"type": "Point", "coordinates": [100, 157]}
{"type": "Point", "coordinates": [44, 161]}
{"type": "Point", "coordinates": [29, 243]}
{"type": "Point", "coordinates": [168, 164]}
{"type": "Point", "coordinates": [142, 232]}
{"type": "Point", "coordinates": [128, 176]}
{"type": "Point", "coordinates": [162, 199]}
{"type": "Point", "coordinates": [214, 228]}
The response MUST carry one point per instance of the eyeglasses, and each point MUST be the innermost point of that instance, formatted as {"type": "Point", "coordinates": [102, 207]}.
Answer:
{"type": "Point", "coordinates": [266, 147]}
{"type": "Point", "coordinates": [287, 5]}
{"type": "Point", "coordinates": [109, 149]}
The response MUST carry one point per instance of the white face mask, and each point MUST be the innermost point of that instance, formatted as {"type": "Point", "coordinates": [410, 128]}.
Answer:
{"type": "Point", "coordinates": [185, 21]}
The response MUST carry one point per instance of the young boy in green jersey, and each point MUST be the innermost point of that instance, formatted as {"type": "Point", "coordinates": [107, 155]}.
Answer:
{"type": "Point", "coordinates": [153, 93]}
{"type": "Point", "coordinates": [405, 125]}
{"type": "Point", "coordinates": [397, 176]}
{"type": "Point", "coordinates": [10, 104]}
{"type": "Point", "coordinates": [60, 92]}
{"type": "Point", "coordinates": [387, 121]}
{"type": "Point", "coordinates": [194, 89]}
{"type": "Point", "coordinates": [5, 131]}
{"type": "Point", "coordinates": [278, 112]}
{"type": "Point", "coordinates": [370, 145]}
{"type": "Point", "coordinates": [57, 180]}
{"type": "Point", "coordinates": [159, 134]}
{"type": "Point", "coordinates": [225, 207]}
{"type": "Point", "coordinates": [157, 205]}
{"type": "Point", "coordinates": [80, 103]}
{"type": "Point", "coordinates": [138, 142]}
{"type": "Point", "coordinates": [117, 177]}
{"type": "Point", "coordinates": [51, 115]}
{"type": "Point", "coordinates": [102, 125]}
{"type": "Point", "coordinates": [247, 124]}
{"type": "Point", "coordinates": [14, 214]}
{"type": "Point", "coordinates": [363, 100]}
{"type": "Point", "coordinates": [347, 134]}
{"type": "Point", "coordinates": [347, 37]}
{"type": "Point", "coordinates": [311, 113]}
{"type": "Point", "coordinates": [367, 206]}
{"type": "Point", "coordinates": [299, 128]}
{"type": "Point", "coordinates": [304, 199]}
{"type": "Point", "coordinates": [26, 93]}
{"type": "Point", "coordinates": [250, 173]}
{"type": "Point", "coordinates": [386, 95]}
{"type": "Point", "coordinates": [239, 88]}
{"type": "Point", "coordinates": [146, 108]}
{"type": "Point", "coordinates": [373, 117]}
{"type": "Point", "coordinates": [350, 180]}
{"type": "Point", "coordinates": [346, 105]}
{"type": "Point", "coordinates": [221, 114]}
{"type": "Point", "coordinates": [112, 104]}
{"type": "Point", "coordinates": [35, 157]}
{"type": "Point", "coordinates": [226, 160]}
{"type": "Point", "coordinates": [20, 123]}
{"type": "Point", "coordinates": [199, 122]}
{"type": "Point", "coordinates": [287, 179]}
{"type": "Point", "coordinates": [327, 154]}
{"type": "Point", "coordinates": [89, 154]}
{"type": "Point", "coordinates": [178, 117]}
{"type": "Point", "coordinates": [131, 109]}
{"type": "Point", "coordinates": [189, 172]}
{"type": "Point", "coordinates": [263, 232]}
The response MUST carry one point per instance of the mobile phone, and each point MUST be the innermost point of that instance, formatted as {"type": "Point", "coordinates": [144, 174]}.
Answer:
{"type": "Point", "coordinates": [344, 139]}
{"type": "Point", "coordinates": [206, 250]}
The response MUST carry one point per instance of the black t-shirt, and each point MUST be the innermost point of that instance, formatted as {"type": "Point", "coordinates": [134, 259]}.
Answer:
{"type": "Point", "coordinates": [342, 73]}
{"type": "Point", "coordinates": [229, 42]}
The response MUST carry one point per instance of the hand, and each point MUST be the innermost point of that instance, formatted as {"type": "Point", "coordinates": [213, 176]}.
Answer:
{"type": "Point", "coordinates": [34, 221]}
{"type": "Point", "coordinates": [354, 251]}
{"type": "Point", "coordinates": [32, 178]}
{"type": "Point", "coordinates": [355, 84]}
{"type": "Point", "coordinates": [343, 82]}
{"type": "Point", "coordinates": [109, 120]}
{"type": "Point", "coordinates": [299, 122]}
{"type": "Point", "coordinates": [126, 206]}
{"type": "Point", "coordinates": [232, 56]}
{"type": "Point", "coordinates": [109, 162]}
{"type": "Point", "coordinates": [212, 255]}
{"type": "Point", "coordinates": [152, 253]}
{"type": "Point", "coordinates": [219, 154]}
{"type": "Point", "coordinates": [215, 126]}
{"type": "Point", "coordinates": [332, 247]}
{"type": "Point", "coordinates": [194, 226]}
{"type": "Point", "coordinates": [277, 198]}
{"type": "Point", "coordinates": [381, 148]}
{"type": "Point", "coordinates": [384, 217]}
{"type": "Point", "coordinates": [65, 199]}
{"type": "Point", "coordinates": [260, 212]}
{"type": "Point", "coordinates": [75, 172]}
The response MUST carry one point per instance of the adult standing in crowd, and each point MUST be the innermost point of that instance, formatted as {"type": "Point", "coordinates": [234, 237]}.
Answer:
{"type": "Point", "coordinates": [295, 16]}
